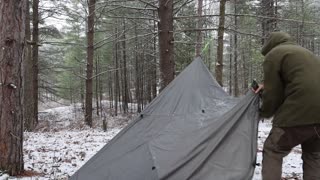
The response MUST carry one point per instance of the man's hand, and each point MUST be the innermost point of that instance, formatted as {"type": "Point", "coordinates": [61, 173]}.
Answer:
{"type": "Point", "coordinates": [260, 88]}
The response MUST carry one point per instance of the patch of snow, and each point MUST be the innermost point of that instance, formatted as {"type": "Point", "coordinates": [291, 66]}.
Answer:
{"type": "Point", "coordinates": [60, 154]}
{"type": "Point", "coordinates": [4, 177]}
{"type": "Point", "coordinates": [57, 155]}
{"type": "Point", "coordinates": [72, 117]}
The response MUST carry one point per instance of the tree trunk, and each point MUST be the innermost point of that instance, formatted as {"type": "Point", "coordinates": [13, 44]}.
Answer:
{"type": "Point", "coordinates": [97, 86]}
{"type": "Point", "coordinates": [199, 26]}
{"type": "Point", "coordinates": [116, 75]}
{"type": "Point", "coordinates": [138, 87]}
{"type": "Point", "coordinates": [110, 77]}
{"type": "Point", "coordinates": [219, 63]}
{"type": "Point", "coordinates": [29, 113]}
{"type": "Point", "coordinates": [154, 65]}
{"type": "Point", "coordinates": [82, 90]}
{"type": "Point", "coordinates": [142, 80]}
{"type": "Point", "coordinates": [125, 75]}
{"type": "Point", "coordinates": [268, 25]}
{"type": "Point", "coordinates": [100, 91]}
{"type": "Point", "coordinates": [137, 72]}
{"type": "Point", "coordinates": [70, 93]}
{"type": "Point", "coordinates": [245, 73]}
{"type": "Point", "coordinates": [230, 64]}
{"type": "Point", "coordinates": [12, 35]}
{"type": "Point", "coordinates": [235, 54]}
{"type": "Point", "coordinates": [209, 54]}
{"type": "Point", "coordinates": [301, 26]}
{"type": "Point", "coordinates": [149, 75]}
{"type": "Point", "coordinates": [313, 42]}
{"type": "Point", "coordinates": [35, 57]}
{"type": "Point", "coordinates": [90, 55]}
{"type": "Point", "coordinates": [165, 27]}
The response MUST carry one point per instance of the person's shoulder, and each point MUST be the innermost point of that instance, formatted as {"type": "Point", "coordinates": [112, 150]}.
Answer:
{"type": "Point", "coordinates": [289, 49]}
{"type": "Point", "coordinates": [286, 47]}
{"type": "Point", "coordinates": [292, 47]}
{"type": "Point", "coordinates": [279, 51]}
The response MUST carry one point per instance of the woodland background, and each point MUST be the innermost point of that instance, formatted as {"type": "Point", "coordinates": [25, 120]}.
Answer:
{"type": "Point", "coordinates": [126, 51]}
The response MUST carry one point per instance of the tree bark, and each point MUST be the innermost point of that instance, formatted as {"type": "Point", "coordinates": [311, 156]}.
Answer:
{"type": "Point", "coordinates": [35, 58]}
{"type": "Point", "coordinates": [219, 63]}
{"type": "Point", "coordinates": [28, 71]}
{"type": "Point", "coordinates": [97, 86]}
{"type": "Point", "coordinates": [154, 65]}
{"type": "Point", "coordinates": [245, 73]}
{"type": "Point", "coordinates": [301, 26]}
{"type": "Point", "coordinates": [137, 72]}
{"type": "Point", "coordinates": [142, 80]}
{"type": "Point", "coordinates": [82, 91]}
{"type": "Point", "coordinates": [165, 27]}
{"type": "Point", "coordinates": [90, 56]}
{"type": "Point", "coordinates": [199, 26]}
{"type": "Point", "coordinates": [230, 64]}
{"type": "Point", "coordinates": [110, 87]}
{"type": "Point", "coordinates": [235, 54]}
{"type": "Point", "coordinates": [268, 25]}
{"type": "Point", "coordinates": [100, 91]}
{"type": "Point", "coordinates": [12, 35]}
{"type": "Point", "coordinates": [116, 75]}
{"type": "Point", "coordinates": [125, 74]}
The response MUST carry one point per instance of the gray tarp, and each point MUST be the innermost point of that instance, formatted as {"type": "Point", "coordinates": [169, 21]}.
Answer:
{"type": "Point", "coordinates": [192, 130]}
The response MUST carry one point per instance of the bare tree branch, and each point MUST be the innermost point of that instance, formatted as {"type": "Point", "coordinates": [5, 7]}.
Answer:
{"type": "Point", "coordinates": [147, 3]}
{"type": "Point", "coordinates": [215, 29]}
{"type": "Point", "coordinates": [247, 15]}
{"type": "Point", "coordinates": [126, 17]}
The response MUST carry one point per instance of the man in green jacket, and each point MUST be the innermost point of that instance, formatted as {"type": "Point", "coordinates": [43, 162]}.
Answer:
{"type": "Point", "coordinates": [291, 94]}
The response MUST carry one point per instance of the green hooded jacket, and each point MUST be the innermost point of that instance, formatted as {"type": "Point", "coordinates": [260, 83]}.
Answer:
{"type": "Point", "coordinates": [291, 83]}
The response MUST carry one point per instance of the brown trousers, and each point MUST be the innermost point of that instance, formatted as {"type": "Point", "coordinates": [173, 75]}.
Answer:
{"type": "Point", "coordinates": [279, 144]}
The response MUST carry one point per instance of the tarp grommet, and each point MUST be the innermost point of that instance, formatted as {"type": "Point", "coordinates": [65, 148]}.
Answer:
{"type": "Point", "coordinates": [141, 115]}
{"type": "Point", "coordinates": [203, 111]}
{"type": "Point", "coordinates": [153, 167]}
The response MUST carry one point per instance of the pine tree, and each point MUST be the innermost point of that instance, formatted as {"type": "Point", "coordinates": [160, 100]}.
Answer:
{"type": "Point", "coordinates": [12, 36]}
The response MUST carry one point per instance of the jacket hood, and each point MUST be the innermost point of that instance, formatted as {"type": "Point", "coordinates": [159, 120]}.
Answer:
{"type": "Point", "coordinates": [275, 39]}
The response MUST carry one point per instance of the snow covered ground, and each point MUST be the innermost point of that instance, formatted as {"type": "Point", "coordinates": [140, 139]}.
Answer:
{"type": "Point", "coordinates": [58, 154]}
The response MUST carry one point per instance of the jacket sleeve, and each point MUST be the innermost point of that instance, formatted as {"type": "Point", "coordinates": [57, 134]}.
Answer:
{"type": "Point", "coordinates": [273, 93]}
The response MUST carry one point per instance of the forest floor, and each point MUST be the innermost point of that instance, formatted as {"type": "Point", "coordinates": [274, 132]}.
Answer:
{"type": "Point", "coordinates": [58, 153]}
